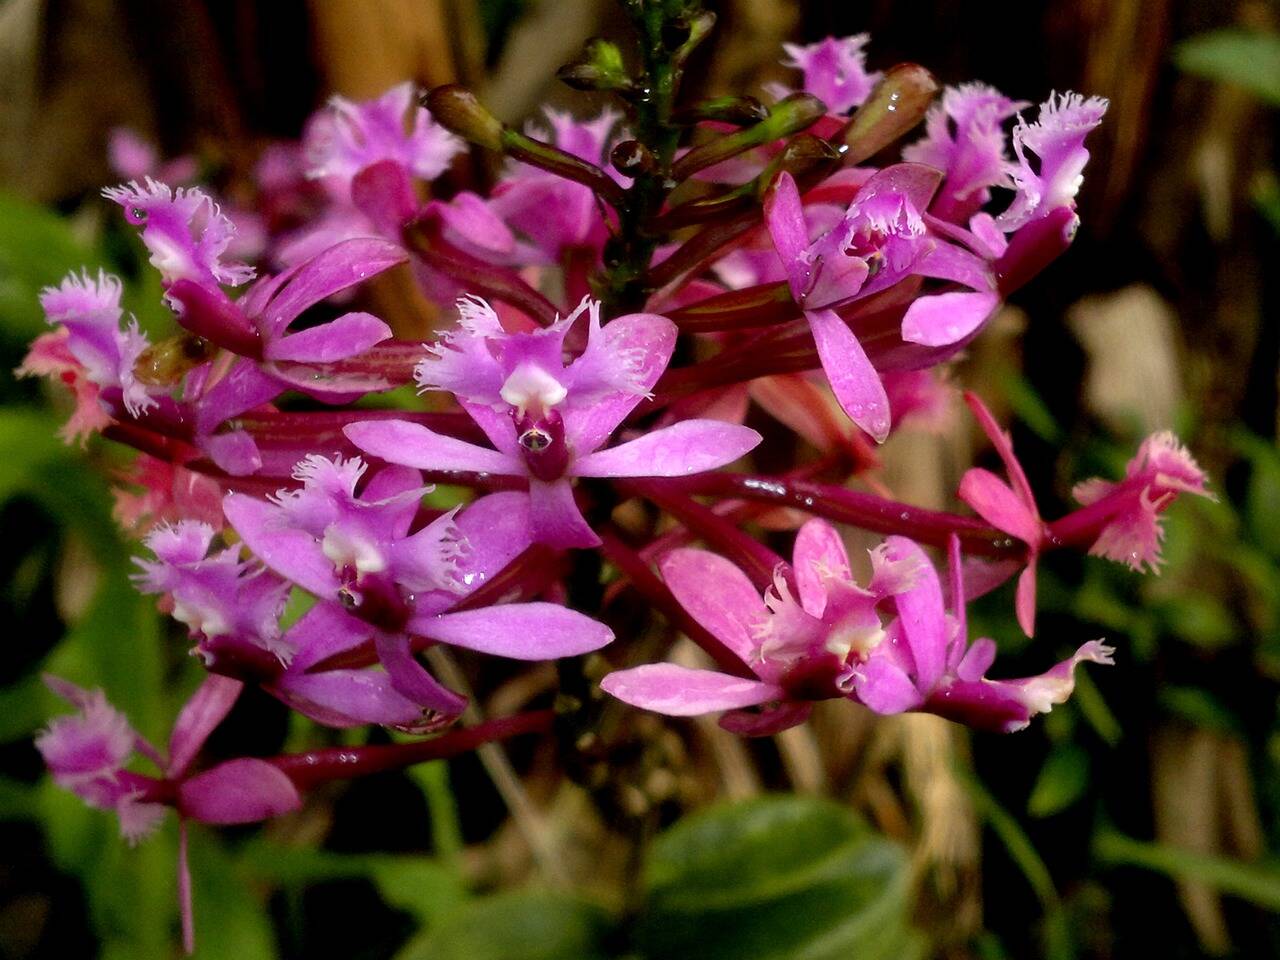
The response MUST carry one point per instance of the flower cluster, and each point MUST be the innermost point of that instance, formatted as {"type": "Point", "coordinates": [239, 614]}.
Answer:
{"type": "Point", "coordinates": [783, 277]}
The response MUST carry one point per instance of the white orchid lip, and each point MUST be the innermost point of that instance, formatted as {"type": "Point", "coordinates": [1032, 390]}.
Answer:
{"type": "Point", "coordinates": [350, 551]}
{"type": "Point", "coordinates": [530, 389]}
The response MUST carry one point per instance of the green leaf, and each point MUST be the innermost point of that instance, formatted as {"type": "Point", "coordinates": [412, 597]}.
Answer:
{"type": "Point", "coordinates": [1263, 494]}
{"type": "Point", "coordinates": [789, 877]}
{"type": "Point", "coordinates": [522, 925]}
{"type": "Point", "coordinates": [418, 885]}
{"type": "Point", "coordinates": [37, 248]}
{"type": "Point", "coordinates": [1255, 882]}
{"type": "Point", "coordinates": [1241, 57]}
{"type": "Point", "coordinates": [1201, 619]}
{"type": "Point", "coordinates": [230, 916]}
{"type": "Point", "coordinates": [1062, 781]}
{"type": "Point", "coordinates": [1200, 707]}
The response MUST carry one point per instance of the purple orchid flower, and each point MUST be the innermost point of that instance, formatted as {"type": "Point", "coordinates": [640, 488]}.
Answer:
{"type": "Point", "coordinates": [1057, 139]}
{"type": "Point", "coordinates": [87, 753]}
{"type": "Point", "coordinates": [345, 138]}
{"type": "Point", "coordinates": [548, 420]}
{"type": "Point", "coordinates": [882, 239]}
{"type": "Point", "coordinates": [964, 138]}
{"type": "Point", "coordinates": [185, 231]}
{"type": "Point", "coordinates": [835, 71]}
{"type": "Point", "coordinates": [358, 550]}
{"type": "Point", "coordinates": [1131, 532]}
{"type": "Point", "coordinates": [89, 310]}
{"type": "Point", "coordinates": [555, 214]}
{"type": "Point", "coordinates": [833, 642]}
{"type": "Point", "coordinates": [231, 607]}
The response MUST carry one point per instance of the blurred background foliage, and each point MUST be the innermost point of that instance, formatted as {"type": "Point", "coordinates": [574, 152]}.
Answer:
{"type": "Point", "coordinates": [1142, 818]}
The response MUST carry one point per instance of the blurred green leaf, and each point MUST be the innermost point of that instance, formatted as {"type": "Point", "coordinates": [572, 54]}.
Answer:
{"type": "Point", "coordinates": [421, 886]}
{"type": "Point", "coordinates": [230, 915]}
{"type": "Point", "coordinates": [776, 877]}
{"type": "Point", "coordinates": [1199, 618]}
{"type": "Point", "coordinates": [1245, 58]}
{"type": "Point", "coordinates": [1062, 780]}
{"type": "Point", "coordinates": [446, 831]}
{"type": "Point", "coordinates": [18, 801]}
{"type": "Point", "coordinates": [37, 248]}
{"type": "Point", "coordinates": [1255, 882]}
{"type": "Point", "coordinates": [1262, 500]}
{"type": "Point", "coordinates": [1198, 706]}
{"type": "Point", "coordinates": [1093, 707]}
{"type": "Point", "coordinates": [522, 925]}
{"type": "Point", "coordinates": [1028, 406]}
{"type": "Point", "coordinates": [129, 891]}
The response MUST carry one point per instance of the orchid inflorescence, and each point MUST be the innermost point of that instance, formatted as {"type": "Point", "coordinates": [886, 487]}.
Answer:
{"type": "Point", "coordinates": [755, 243]}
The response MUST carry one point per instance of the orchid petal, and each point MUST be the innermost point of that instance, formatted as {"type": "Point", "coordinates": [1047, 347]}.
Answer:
{"type": "Point", "coordinates": [853, 379]}
{"type": "Point", "coordinates": [413, 445]}
{"type": "Point", "coordinates": [348, 336]}
{"type": "Point", "coordinates": [784, 216]}
{"type": "Point", "coordinates": [688, 447]}
{"type": "Point", "coordinates": [718, 595]}
{"type": "Point", "coordinates": [410, 678]}
{"type": "Point", "coordinates": [207, 708]}
{"type": "Point", "coordinates": [946, 318]}
{"type": "Point", "coordinates": [993, 500]}
{"type": "Point", "coordinates": [331, 271]}
{"type": "Point", "coordinates": [819, 556]}
{"type": "Point", "coordinates": [683, 692]}
{"type": "Point", "coordinates": [521, 631]}
{"type": "Point", "coordinates": [555, 517]}
{"type": "Point", "coordinates": [293, 553]}
{"type": "Point", "coordinates": [238, 791]}
{"type": "Point", "coordinates": [922, 615]}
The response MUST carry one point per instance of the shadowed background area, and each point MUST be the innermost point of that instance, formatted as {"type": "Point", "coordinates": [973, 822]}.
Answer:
{"type": "Point", "coordinates": [1141, 819]}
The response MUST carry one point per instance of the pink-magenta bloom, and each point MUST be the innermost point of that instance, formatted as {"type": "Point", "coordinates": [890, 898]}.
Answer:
{"type": "Point", "coordinates": [528, 403]}
{"type": "Point", "coordinates": [558, 215]}
{"type": "Point", "coordinates": [89, 310]}
{"type": "Point", "coordinates": [225, 603]}
{"type": "Point", "coordinates": [346, 137]}
{"type": "Point", "coordinates": [1132, 533]}
{"type": "Point", "coordinates": [87, 752]}
{"type": "Point", "coordinates": [185, 231]}
{"type": "Point", "coordinates": [357, 549]}
{"type": "Point", "coordinates": [1057, 140]}
{"type": "Point", "coordinates": [1010, 507]}
{"type": "Point", "coordinates": [881, 240]}
{"type": "Point", "coordinates": [965, 139]}
{"type": "Point", "coordinates": [835, 71]}
{"type": "Point", "coordinates": [833, 641]}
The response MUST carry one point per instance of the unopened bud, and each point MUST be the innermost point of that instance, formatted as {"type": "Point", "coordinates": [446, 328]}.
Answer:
{"type": "Point", "coordinates": [741, 111]}
{"type": "Point", "coordinates": [896, 104]}
{"type": "Point", "coordinates": [457, 109]}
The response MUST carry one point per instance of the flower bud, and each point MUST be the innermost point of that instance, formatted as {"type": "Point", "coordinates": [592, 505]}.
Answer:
{"type": "Point", "coordinates": [458, 110]}
{"type": "Point", "coordinates": [631, 158]}
{"type": "Point", "coordinates": [897, 104]}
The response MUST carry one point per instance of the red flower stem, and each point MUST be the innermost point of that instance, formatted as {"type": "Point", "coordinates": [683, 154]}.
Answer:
{"type": "Point", "coordinates": [474, 275]}
{"type": "Point", "coordinates": [317, 767]}
{"type": "Point", "coordinates": [635, 569]}
{"type": "Point", "coordinates": [864, 510]}
{"type": "Point", "coordinates": [757, 561]}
